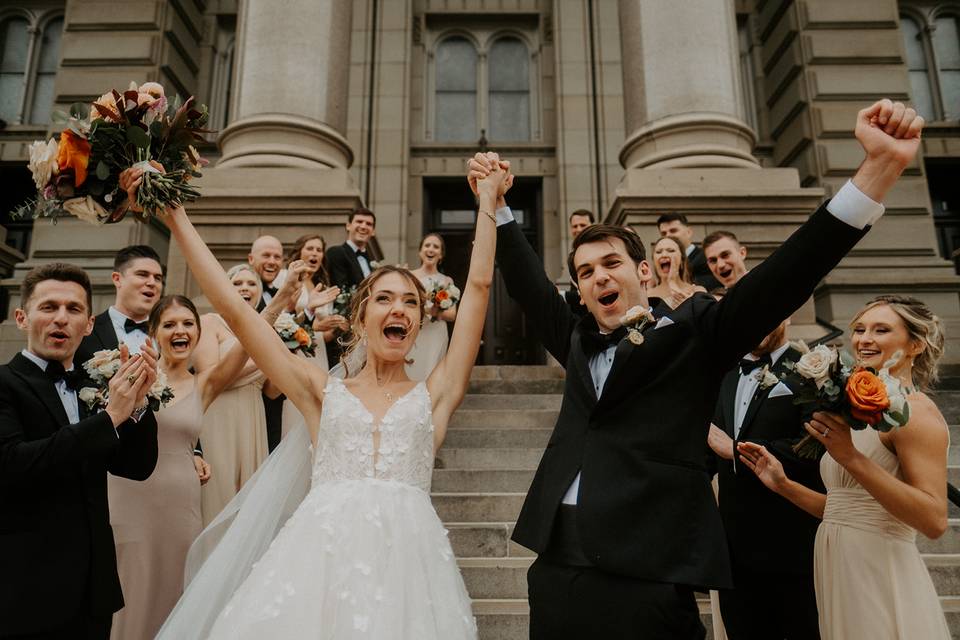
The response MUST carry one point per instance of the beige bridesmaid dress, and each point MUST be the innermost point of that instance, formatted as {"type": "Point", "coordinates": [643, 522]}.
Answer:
{"type": "Point", "coordinates": [871, 582]}
{"type": "Point", "coordinates": [155, 522]}
{"type": "Point", "coordinates": [431, 344]}
{"type": "Point", "coordinates": [234, 437]}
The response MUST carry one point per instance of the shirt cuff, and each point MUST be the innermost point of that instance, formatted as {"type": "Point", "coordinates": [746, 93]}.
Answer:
{"type": "Point", "coordinates": [504, 215]}
{"type": "Point", "coordinates": [138, 413]}
{"type": "Point", "coordinates": [853, 207]}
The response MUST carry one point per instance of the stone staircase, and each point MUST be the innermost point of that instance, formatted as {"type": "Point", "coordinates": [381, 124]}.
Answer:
{"type": "Point", "coordinates": [487, 462]}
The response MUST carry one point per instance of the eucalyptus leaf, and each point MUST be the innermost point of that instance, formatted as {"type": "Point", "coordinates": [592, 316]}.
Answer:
{"type": "Point", "coordinates": [79, 110]}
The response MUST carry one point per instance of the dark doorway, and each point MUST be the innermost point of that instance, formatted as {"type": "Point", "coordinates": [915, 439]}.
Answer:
{"type": "Point", "coordinates": [945, 200]}
{"type": "Point", "coordinates": [450, 209]}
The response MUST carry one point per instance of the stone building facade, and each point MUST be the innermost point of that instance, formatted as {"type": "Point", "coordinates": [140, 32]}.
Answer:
{"type": "Point", "coordinates": [738, 113]}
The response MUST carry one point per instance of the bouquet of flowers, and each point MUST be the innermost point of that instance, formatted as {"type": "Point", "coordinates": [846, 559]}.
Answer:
{"type": "Point", "coordinates": [442, 296]}
{"type": "Point", "coordinates": [341, 306]}
{"type": "Point", "coordinates": [79, 174]}
{"type": "Point", "coordinates": [831, 380]}
{"type": "Point", "coordinates": [296, 336]}
{"type": "Point", "coordinates": [102, 367]}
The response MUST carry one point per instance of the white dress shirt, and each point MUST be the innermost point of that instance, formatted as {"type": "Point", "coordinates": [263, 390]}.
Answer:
{"type": "Point", "coordinates": [849, 205]}
{"type": "Point", "coordinates": [134, 339]}
{"type": "Point", "coordinates": [68, 397]}
{"type": "Point", "coordinates": [747, 387]}
{"type": "Point", "coordinates": [362, 259]}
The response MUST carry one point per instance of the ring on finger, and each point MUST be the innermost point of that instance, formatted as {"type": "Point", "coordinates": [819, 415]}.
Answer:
{"type": "Point", "coordinates": [131, 379]}
{"type": "Point", "coordinates": [826, 432]}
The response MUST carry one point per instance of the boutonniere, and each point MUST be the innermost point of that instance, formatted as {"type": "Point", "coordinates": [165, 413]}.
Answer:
{"type": "Point", "coordinates": [766, 377]}
{"type": "Point", "coordinates": [374, 265]}
{"type": "Point", "coordinates": [635, 320]}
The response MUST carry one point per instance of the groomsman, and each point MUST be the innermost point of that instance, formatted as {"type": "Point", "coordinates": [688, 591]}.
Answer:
{"type": "Point", "coordinates": [57, 558]}
{"type": "Point", "coordinates": [579, 220]}
{"type": "Point", "coordinates": [621, 511]}
{"type": "Point", "coordinates": [138, 278]}
{"type": "Point", "coordinates": [349, 263]}
{"type": "Point", "coordinates": [770, 539]}
{"type": "Point", "coordinates": [725, 257]}
{"type": "Point", "coordinates": [266, 258]}
{"type": "Point", "coordinates": [676, 226]}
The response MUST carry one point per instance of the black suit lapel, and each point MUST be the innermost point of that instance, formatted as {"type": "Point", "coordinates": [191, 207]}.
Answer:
{"type": "Point", "coordinates": [728, 391]}
{"type": "Point", "coordinates": [41, 386]}
{"type": "Point", "coordinates": [355, 268]}
{"type": "Point", "coordinates": [761, 395]}
{"type": "Point", "coordinates": [577, 361]}
{"type": "Point", "coordinates": [104, 331]}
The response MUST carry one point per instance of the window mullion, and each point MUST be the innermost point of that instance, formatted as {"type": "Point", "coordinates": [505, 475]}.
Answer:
{"type": "Point", "coordinates": [483, 93]}
{"type": "Point", "coordinates": [29, 71]}
{"type": "Point", "coordinates": [933, 71]}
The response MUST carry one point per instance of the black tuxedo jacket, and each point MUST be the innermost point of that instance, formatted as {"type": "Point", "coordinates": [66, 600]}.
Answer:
{"type": "Point", "coordinates": [765, 532]}
{"type": "Point", "coordinates": [344, 267]}
{"type": "Point", "coordinates": [646, 507]}
{"type": "Point", "coordinates": [56, 546]}
{"type": "Point", "coordinates": [701, 272]}
{"type": "Point", "coordinates": [103, 336]}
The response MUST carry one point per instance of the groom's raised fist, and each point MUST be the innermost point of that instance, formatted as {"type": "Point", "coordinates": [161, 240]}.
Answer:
{"type": "Point", "coordinates": [890, 131]}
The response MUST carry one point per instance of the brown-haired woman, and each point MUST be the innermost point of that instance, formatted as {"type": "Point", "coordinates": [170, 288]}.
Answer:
{"type": "Point", "coordinates": [432, 342]}
{"type": "Point", "coordinates": [881, 489]}
{"type": "Point", "coordinates": [155, 521]}
{"type": "Point", "coordinates": [672, 271]}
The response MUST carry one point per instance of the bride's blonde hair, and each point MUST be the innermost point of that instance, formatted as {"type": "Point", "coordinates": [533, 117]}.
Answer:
{"type": "Point", "coordinates": [922, 326]}
{"type": "Point", "coordinates": [358, 307]}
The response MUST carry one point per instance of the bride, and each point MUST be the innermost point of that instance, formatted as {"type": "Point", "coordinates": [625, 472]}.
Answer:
{"type": "Point", "coordinates": [364, 553]}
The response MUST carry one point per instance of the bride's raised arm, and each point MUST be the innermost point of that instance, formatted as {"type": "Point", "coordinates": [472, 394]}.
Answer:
{"type": "Point", "coordinates": [302, 385]}
{"type": "Point", "coordinates": [448, 381]}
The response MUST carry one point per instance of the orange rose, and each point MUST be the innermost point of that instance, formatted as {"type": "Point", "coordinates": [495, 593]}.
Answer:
{"type": "Point", "coordinates": [868, 396]}
{"type": "Point", "coordinates": [302, 337]}
{"type": "Point", "coordinates": [441, 295]}
{"type": "Point", "coordinates": [73, 153]}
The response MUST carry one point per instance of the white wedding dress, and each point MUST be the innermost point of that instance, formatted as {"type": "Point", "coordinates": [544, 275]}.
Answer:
{"type": "Point", "coordinates": [364, 555]}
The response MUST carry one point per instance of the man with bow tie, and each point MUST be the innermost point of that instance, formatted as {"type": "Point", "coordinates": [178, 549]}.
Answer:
{"type": "Point", "coordinates": [57, 555]}
{"type": "Point", "coordinates": [350, 262]}
{"type": "Point", "coordinates": [770, 539]}
{"type": "Point", "coordinates": [266, 258]}
{"type": "Point", "coordinates": [138, 278]}
{"type": "Point", "coordinates": [620, 510]}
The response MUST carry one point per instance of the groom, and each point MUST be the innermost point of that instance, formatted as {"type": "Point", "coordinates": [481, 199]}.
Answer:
{"type": "Point", "coordinates": [621, 511]}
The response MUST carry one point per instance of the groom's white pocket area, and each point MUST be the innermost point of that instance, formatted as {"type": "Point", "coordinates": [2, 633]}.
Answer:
{"type": "Point", "coordinates": [663, 322]}
{"type": "Point", "coordinates": [780, 390]}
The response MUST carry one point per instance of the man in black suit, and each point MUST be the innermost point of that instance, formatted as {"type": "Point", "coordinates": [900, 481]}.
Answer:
{"type": "Point", "coordinates": [770, 539]}
{"type": "Point", "coordinates": [266, 258]}
{"type": "Point", "coordinates": [579, 220]}
{"type": "Point", "coordinates": [726, 257]}
{"type": "Point", "coordinates": [676, 226]}
{"type": "Point", "coordinates": [349, 263]}
{"type": "Point", "coordinates": [57, 558]}
{"type": "Point", "coordinates": [138, 278]}
{"type": "Point", "coordinates": [621, 511]}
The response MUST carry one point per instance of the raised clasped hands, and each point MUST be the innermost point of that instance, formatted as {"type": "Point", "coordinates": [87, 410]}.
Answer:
{"type": "Point", "coordinates": [482, 165]}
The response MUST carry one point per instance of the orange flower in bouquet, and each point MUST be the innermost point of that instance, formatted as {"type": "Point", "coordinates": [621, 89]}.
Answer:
{"type": "Point", "coordinates": [302, 337]}
{"type": "Point", "coordinates": [441, 296]}
{"type": "Point", "coordinates": [74, 153]}
{"type": "Point", "coordinates": [868, 396]}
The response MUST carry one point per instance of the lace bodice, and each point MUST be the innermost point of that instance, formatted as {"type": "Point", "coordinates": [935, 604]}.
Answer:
{"type": "Point", "coordinates": [345, 449]}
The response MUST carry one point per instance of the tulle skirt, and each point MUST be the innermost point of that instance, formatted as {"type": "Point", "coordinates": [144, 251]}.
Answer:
{"type": "Point", "coordinates": [358, 559]}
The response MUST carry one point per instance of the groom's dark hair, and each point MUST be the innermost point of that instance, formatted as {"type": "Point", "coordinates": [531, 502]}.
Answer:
{"type": "Point", "coordinates": [601, 232]}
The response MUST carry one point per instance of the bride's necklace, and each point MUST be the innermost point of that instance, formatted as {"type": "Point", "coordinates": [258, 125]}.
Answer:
{"type": "Point", "coordinates": [387, 394]}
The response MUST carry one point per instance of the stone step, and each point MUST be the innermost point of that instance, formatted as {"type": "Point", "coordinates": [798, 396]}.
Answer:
{"type": "Point", "coordinates": [945, 571]}
{"type": "Point", "coordinates": [467, 418]}
{"type": "Point", "coordinates": [949, 542]}
{"type": "Point", "coordinates": [498, 578]}
{"type": "Point", "coordinates": [482, 480]}
{"type": "Point", "coordinates": [517, 401]}
{"type": "Point", "coordinates": [949, 404]}
{"type": "Point", "coordinates": [477, 507]}
{"type": "Point", "coordinates": [547, 385]}
{"type": "Point", "coordinates": [484, 540]}
{"type": "Point", "coordinates": [488, 458]}
{"type": "Point", "coordinates": [500, 438]}
{"type": "Point", "coordinates": [517, 372]}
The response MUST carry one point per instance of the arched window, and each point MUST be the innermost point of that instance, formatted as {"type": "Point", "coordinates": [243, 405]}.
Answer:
{"type": "Point", "coordinates": [920, 89]}
{"type": "Point", "coordinates": [946, 49]}
{"type": "Point", "coordinates": [509, 97]}
{"type": "Point", "coordinates": [456, 91]}
{"type": "Point", "coordinates": [48, 59]}
{"type": "Point", "coordinates": [14, 43]}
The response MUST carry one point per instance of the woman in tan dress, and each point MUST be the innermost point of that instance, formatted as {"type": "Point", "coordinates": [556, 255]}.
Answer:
{"type": "Point", "coordinates": [882, 488]}
{"type": "Point", "coordinates": [155, 521]}
{"type": "Point", "coordinates": [234, 434]}
{"type": "Point", "coordinates": [432, 341]}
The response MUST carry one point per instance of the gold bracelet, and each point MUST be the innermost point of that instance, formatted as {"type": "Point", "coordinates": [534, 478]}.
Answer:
{"type": "Point", "coordinates": [489, 215]}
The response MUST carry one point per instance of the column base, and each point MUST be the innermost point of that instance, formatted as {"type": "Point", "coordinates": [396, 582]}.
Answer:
{"type": "Point", "coordinates": [691, 140]}
{"type": "Point", "coordinates": [283, 140]}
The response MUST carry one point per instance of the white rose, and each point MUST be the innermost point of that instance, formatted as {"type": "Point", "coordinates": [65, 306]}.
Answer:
{"type": "Point", "coordinates": [87, 395]}
{"type": "Point", "coordinates": [769, 378]}
{"type": "Point", "coordinates": [285, 323]}
{"type": "Point", "coordinates": [634, 315]}
{"type": "Point", "coordinates": [454, 292]}
{"type": "Point", "coordinates": [815, 365]}
{"type": "Point", "coordinates": [156, 391]}
{"type": "Point", "coordinates": [104, 362]}
{"type": "Point", "coordinates": [635, 337]}
{"type": "Point", "coordinates": [446, 304]}
{"type": "Point", "coordinates": [86, 208]}
{"type": "Point", "coordinates": [428, 305]}
{"type": "Point", "coordinates": [43, 161]}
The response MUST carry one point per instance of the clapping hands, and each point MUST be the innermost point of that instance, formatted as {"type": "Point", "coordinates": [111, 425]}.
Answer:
{"type": "Point", "coordinates": [129, 386]}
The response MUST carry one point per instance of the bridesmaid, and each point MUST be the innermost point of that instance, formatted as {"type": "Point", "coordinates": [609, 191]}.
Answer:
{"type": "Point", "coordinates": [155, 521]}
{"type": "Point", "coordinates": [234, 433]}
{"type": "Point", "coordinates": [431, 344]}
{"type": "Point", "coordinates": [673, 273]}
{"type": "Point", "coordinates": [881, 489]}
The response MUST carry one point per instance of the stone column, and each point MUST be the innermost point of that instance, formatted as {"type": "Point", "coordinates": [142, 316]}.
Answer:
{"type": "Point", "coordinates": [290, 108]}
{"type": "Point", "coordinates": [681, 86]}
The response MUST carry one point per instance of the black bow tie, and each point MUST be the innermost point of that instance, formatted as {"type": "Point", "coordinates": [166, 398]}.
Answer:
{"type": "Point", "coordinates": [748, 366]}
{"type": "Point", "coordinates": [56, 373]}
{"type": "Point", "coordinates": [132, 325]}
{"type": "Point", "coordinates": [361, 253]}
{"type": "Point", "coordinates": [271, 290]}
{"type": "Point", "coordinates": [595, 342]}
